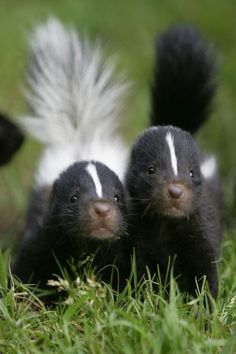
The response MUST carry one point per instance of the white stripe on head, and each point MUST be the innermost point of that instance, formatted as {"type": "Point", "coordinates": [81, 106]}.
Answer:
{"type": "Point", "coordinates": [170, 143]}
{"type": "Point", "coordinates": [91, 169]}
{"type": "Point", "coordinates": [208, 167]}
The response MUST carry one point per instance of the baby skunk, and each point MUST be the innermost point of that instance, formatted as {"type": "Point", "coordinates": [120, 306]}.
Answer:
{"type": "Point", "coordinates": [83, 214]}
{"type": "Point", "coordinates": [11, 139]}
{"type": "Point", "coordinates": [78, 204]}
{"type": "Point", "coordinates": [175, 191]}
{"type": "Point", "coordinates": [184, 81]}
{"type": "Point", "coordinates": [177, 210]}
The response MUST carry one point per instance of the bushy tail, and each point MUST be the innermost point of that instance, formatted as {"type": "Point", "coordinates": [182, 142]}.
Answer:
{"type": "Point", "coordinates": [71, 85]}
{"type": "Point", "coordinates": [184, 79]}
{"type": "Point", "coordinates": [73, 95]}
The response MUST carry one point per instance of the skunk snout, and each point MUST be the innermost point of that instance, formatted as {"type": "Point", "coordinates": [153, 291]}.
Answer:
{"type": "Point", "coordinates": [103, 220]}
{"type": "Point", "coordinates": [177, 194]}
{"type": "Point", "coordinates": [174, 199]}
{"type": "Point", "coordinates": [101, 209]}
{"type": "Point", "coordinates": [176, 191]}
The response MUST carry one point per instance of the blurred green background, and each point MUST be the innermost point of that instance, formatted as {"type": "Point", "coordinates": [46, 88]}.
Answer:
{"type": "Point", "coordinates": [128, 28]}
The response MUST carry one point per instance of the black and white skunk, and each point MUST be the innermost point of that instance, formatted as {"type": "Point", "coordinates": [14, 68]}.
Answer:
{"type": "Point", "coordinates": [78, 205]}
{"type": "Point", "coordinates": [11, 139]}
{"type": "Point", "coordinates": [176, 194]}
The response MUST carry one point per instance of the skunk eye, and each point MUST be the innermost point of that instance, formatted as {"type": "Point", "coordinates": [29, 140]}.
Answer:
{"type": "Point", "coordinates": [151, 170]}
{"type": "Point", "coordinates": [74, 199]}
{"type": "Point", "coordinates": [117, 198]}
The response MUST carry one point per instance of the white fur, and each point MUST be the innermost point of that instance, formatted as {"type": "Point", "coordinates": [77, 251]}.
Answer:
{"type": "Point", "coordinates": [91, 169]}
{"type": "Point", "coordinates": [54, 160]}
{"type": "Point", "coordinates": [170, 143]}
{"type": "Point", "coordinates": [75, 100]}
{"type": "Point", "coordinates": [209, 167]}
{"type": "Point", "coordinates": [58, 157]}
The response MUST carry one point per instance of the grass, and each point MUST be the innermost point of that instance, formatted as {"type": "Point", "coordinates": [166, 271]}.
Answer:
{"type": "Point", "coordinates": [96, 320]}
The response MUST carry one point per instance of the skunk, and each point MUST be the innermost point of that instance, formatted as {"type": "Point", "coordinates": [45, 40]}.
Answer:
{"type": "Point", "coordinates": [184, 79]}
{"type": "Point", "coordinates": [176, 194]}
{"type": "Point", "coordinates": [78, 204]}
{"type": "Point", "coordinates": [11, 139]}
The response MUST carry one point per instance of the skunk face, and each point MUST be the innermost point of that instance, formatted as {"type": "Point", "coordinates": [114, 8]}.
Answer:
{"type": "Point", "coordinates": [88, 201]}
{"type": "Point", "coordinates": [164, 175]}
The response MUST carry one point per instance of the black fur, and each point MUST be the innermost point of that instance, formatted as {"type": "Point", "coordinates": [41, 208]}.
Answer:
{"type": "Point", "coordinates": [60, 228]}
{"type": "Point", "coordinates": [189, 228]}
{"type": "Point", "coordinates": [11, 139]}
{"type": "Point", "coordinates": [184, 83]}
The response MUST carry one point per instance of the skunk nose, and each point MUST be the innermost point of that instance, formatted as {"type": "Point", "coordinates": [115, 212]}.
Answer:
{"type": "Point", "coordinates": [101, 209]}
{"type": "Point", "coordinates": [175, 191]}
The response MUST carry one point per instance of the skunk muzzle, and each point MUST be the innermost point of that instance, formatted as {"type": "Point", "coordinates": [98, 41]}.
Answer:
{"type": "Point", "coordinates": [176, 191]}
{"type": "Point", "coordinates": [104, 220]}
{"type": "Point", "coordinates": [102, 210]}
{"type": "Point", "coordinates": [174, 200]}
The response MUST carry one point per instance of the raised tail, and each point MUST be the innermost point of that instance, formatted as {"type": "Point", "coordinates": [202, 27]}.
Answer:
{"type": "Point", "coordinates": [184, 79]}
{"type": "Point", "coordinates": [74, 98]}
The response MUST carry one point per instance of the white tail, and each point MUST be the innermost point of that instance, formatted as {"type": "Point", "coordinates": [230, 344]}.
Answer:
{"type": "Point", "coordinates": [75, 100]}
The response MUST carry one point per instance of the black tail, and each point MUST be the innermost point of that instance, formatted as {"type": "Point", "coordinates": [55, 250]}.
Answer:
{"type": "Point", "coordinates": [184, 79]}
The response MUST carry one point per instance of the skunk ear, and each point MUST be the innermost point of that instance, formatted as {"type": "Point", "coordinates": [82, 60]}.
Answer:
{"type": "Point", "coordinates": [11, 139]}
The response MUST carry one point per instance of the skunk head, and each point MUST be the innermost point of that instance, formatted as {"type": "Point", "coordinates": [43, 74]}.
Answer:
{"type": "Point", "coordinates": [88, 201]}
{"type": "Point", "coordinates": [164, 176]}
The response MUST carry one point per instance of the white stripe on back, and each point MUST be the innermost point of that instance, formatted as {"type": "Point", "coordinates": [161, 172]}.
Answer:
{"type": "Point", "coordinates": [91, 169]}
{"type": "Point", "coordinates": [170, 143]}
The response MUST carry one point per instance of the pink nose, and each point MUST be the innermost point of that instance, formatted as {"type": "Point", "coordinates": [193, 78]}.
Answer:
{"type": "Point", "coordinates": [101, 209]}
{"type": "Point", "coordinates": [175, 191]}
